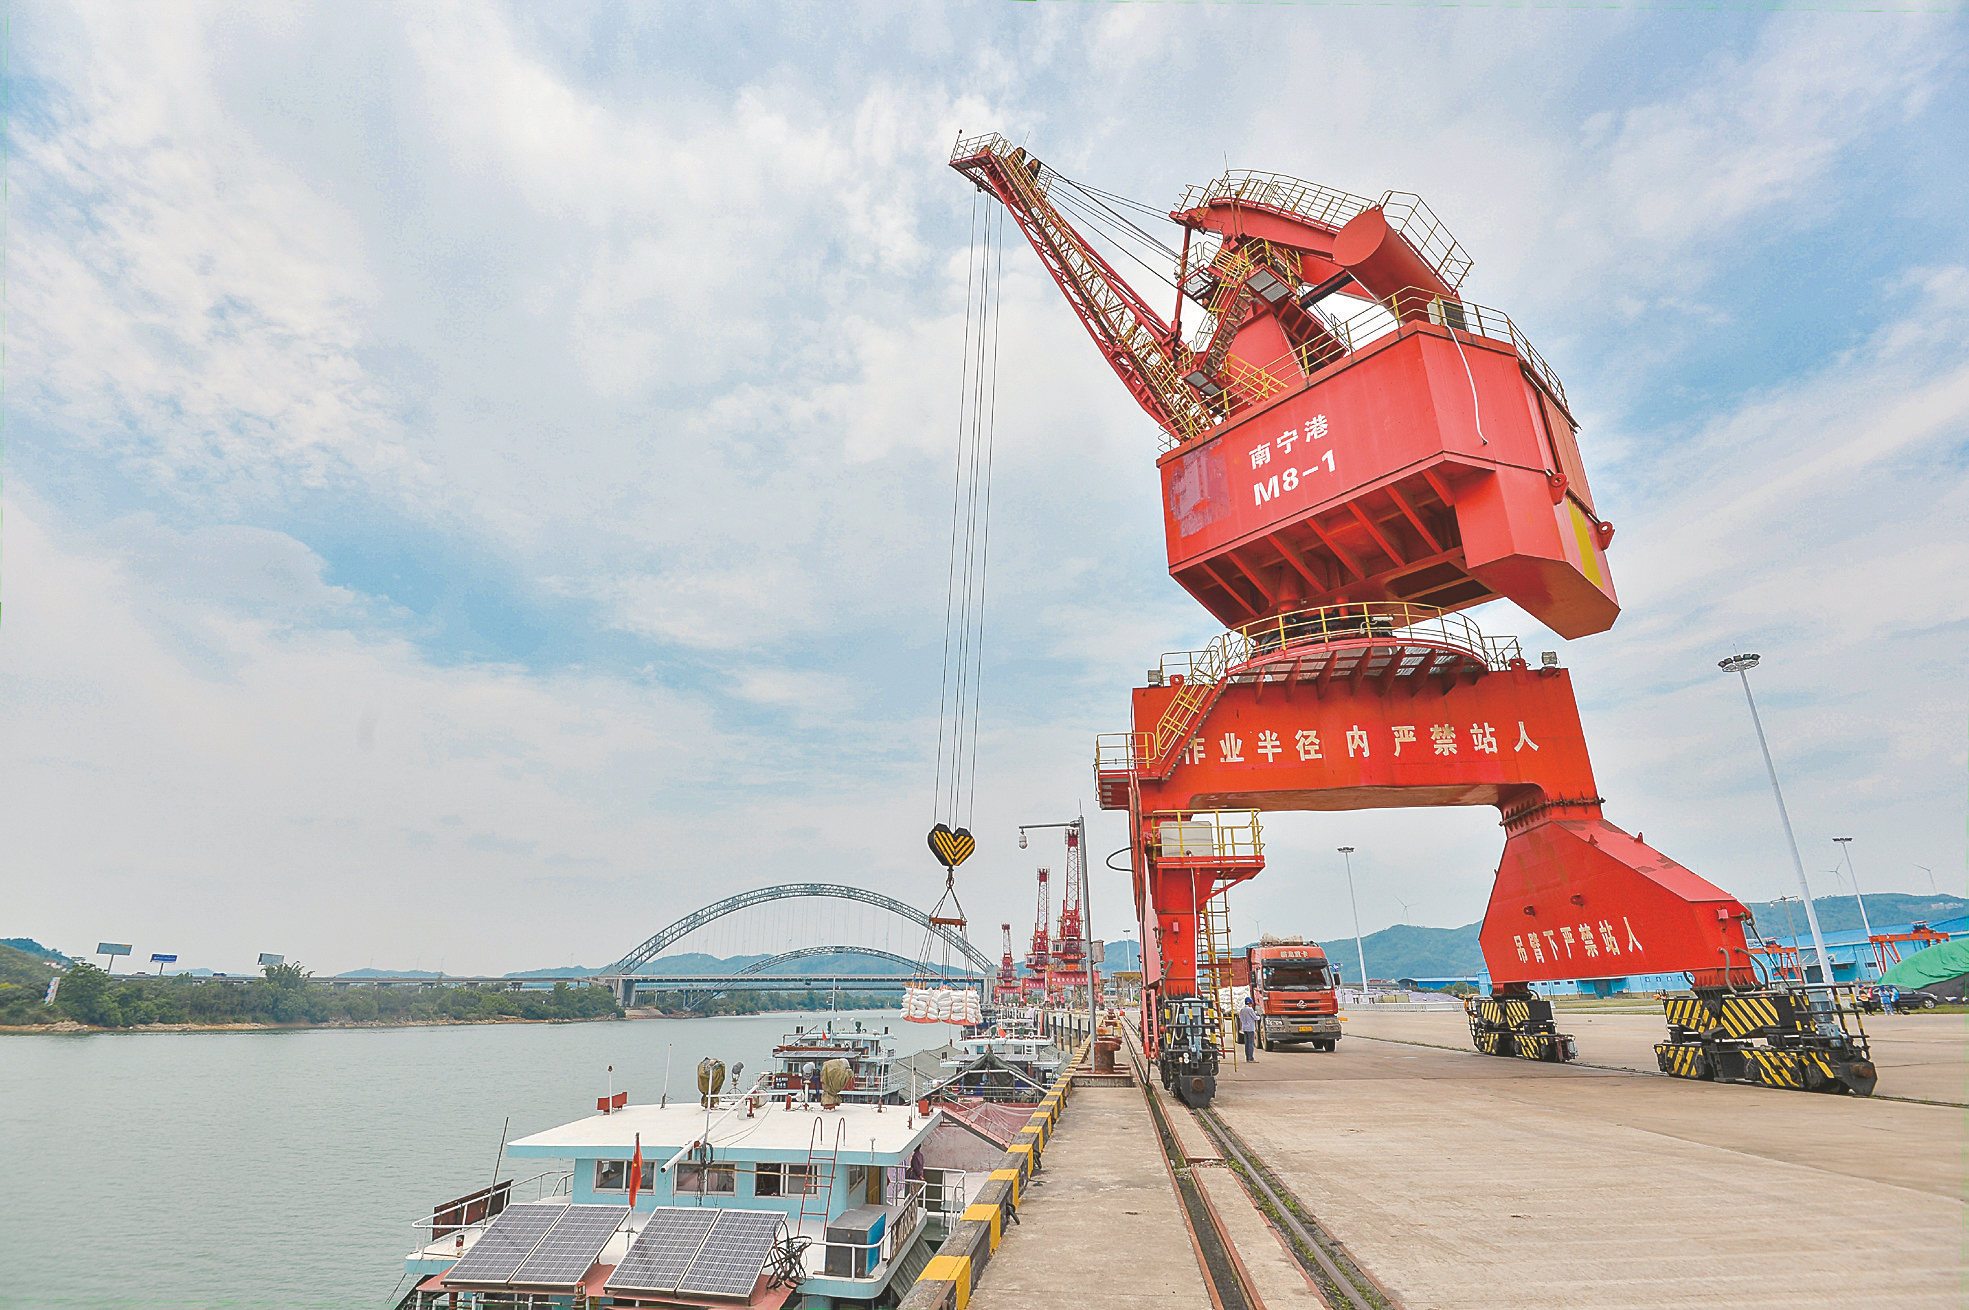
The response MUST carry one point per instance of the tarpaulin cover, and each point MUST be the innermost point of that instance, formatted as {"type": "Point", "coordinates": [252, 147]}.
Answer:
{"type": "Point", "coordinates": [998, 1124]}
{"type": "Point", "coordinates": [1939, 963]}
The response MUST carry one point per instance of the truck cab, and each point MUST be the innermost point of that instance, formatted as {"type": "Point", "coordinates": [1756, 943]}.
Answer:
{"type": "Point", "coordinates": [1292, 990]}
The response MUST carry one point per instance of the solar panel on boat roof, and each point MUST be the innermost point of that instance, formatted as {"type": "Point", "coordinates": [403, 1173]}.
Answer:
{"type": "Point", "coordinates": [733, 1253]}
{"type": "Point", "coordinates": [504, 1245]}
{"type": "Point", "coordinates": [664, 1249]}
{"type": "Point", "coordinates": [570, 1247]}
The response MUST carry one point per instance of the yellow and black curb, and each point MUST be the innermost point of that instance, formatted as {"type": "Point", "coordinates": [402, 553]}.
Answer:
{"type": "Point", "coordinates": [947, 1281]}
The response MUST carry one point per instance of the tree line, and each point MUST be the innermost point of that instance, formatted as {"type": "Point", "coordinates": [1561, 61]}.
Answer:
{"type": "Point", "coordinates": [287, 993]}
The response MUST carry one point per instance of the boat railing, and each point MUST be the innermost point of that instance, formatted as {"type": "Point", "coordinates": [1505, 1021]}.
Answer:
{"type": "Point", "coordinates": [454, 1216]}
{"type": "Point", "coordinates": [945, 1199]}
{"type": "Point", "coordinates": [911, 1206]}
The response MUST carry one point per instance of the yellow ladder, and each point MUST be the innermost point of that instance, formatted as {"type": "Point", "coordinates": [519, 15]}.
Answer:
{"type": "Point", "coordinates": [1213, 967]}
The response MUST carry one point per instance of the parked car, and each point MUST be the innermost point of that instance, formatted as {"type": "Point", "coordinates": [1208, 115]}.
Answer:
{"type": "Point", "coordinates": [1875, 1000]}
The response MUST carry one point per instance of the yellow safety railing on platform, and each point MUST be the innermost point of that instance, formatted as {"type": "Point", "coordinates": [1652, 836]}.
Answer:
{"type": "Point", "coordinates": [1251, 383]}
{"type": "Point", "coordinates": [1203, 671]}
{"type": "Point", "coordinates": [1405, 211]}
{"type": "Point", "coordinates": [1321, 204]}
{"type": "Point", "coordinates": [1204, 835]}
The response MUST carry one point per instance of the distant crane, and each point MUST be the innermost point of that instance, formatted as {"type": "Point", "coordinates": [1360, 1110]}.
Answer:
{"type": "Point", "coordinates": [1039, 962]}
{"type": "Point", "coordinates": [1070, 943]}
{"type": "Point", "coordinates": [1008, 969]}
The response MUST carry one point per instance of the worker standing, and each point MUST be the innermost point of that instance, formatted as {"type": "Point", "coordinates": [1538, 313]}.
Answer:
{"type": "Point", "coordinates": [1247, 1024]}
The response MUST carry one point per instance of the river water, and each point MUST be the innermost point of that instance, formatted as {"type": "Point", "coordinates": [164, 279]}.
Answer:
{"type": "Point", "coordinates": [287, 1168]}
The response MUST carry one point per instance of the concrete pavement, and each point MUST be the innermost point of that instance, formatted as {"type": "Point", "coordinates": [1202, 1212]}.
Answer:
{"type": "Point", "coordinates": [1463, 1180]}
{"type": "Point", "coordinates": [1101, 1226]}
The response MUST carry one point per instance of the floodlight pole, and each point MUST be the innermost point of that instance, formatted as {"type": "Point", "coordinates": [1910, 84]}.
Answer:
{"type": "Point", "coordinates": [1846, 844]}
{"type": "Point", "coordinates": [1359, 952]}
{"type": "Point", "coordinates": [1741, 665]}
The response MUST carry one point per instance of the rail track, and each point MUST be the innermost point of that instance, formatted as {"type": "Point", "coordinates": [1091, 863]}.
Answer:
{"type": "Point", "coordinates": [1323, 1257]}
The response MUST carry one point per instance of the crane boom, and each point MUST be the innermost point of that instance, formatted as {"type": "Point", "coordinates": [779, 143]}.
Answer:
{"type": "Point", "coordinates": [1141, 348]}
{"type": "Point", "coordinates": [1416, 450]}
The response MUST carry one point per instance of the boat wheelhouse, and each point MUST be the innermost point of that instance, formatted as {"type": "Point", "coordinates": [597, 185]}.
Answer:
{"type": "Point", "coordinates": [759, 1201]}
{"type": "Point", "coordinates": [1000, 1068]}
{"type": "Point", "coordinates": [871, 1058]}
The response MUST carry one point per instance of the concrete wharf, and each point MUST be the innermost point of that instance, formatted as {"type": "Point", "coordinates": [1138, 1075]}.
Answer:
{"type": "Point", "coordinates": [1438, 1177]}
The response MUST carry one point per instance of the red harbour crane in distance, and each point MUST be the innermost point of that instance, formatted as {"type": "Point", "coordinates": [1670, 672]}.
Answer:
{"type": "Point", "coordinates": [1008, 970]}
{"type": "Point", "coordinates": [1352, 453]}
{"type": "Point", "coordinates": [1039, 961]}
{"type": "Point", "coordinates": [1069, 956]}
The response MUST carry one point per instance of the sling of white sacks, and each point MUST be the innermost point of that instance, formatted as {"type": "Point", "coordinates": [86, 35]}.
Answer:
{"type": "Point", "coordinates": [941, 1005]}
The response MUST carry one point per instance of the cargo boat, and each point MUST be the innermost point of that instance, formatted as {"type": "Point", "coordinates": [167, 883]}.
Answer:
{"type": "Point", "coordinates": [871, 1058]}
{"type": "Point", "coordinates": [759, 1201]}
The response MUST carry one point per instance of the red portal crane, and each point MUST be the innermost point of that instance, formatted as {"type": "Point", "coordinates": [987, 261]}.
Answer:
{"type": "Point", "coordinates": [1008, 971]}
{"type": "Point", "coordinates": [1069, 949]}
{"type": "Point", "coordinates": [1039, 961]}
{"type": "Point", "coordinates": [1336, 486]}
{"type": "Point", "coordinates": [1070, 967]}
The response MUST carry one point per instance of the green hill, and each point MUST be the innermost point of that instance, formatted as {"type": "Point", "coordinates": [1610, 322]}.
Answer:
{"type": "Point", "coordinates": [23, 982]}
{"type": "Point", "coordinates": [1406, 951]}
{"type": "Point", "coordinates": [28, 946]}
{"type": "Point", "coordinates": [19, 968]}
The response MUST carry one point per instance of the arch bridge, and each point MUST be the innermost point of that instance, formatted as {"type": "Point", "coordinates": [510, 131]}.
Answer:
{"type": "Point", "coordinates": [917, 969]}
{"type": "Point", "coordinates": [632, 969]}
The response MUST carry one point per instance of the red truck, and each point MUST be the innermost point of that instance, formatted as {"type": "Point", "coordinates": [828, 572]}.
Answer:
{"type": "Point", "coordinates": [1292, 990]}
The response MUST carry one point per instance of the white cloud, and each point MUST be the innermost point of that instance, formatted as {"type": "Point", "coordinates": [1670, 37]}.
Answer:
{"type": "Point", "coordinates": [671, 321]}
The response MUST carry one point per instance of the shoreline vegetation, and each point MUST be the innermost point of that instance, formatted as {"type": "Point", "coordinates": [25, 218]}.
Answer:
{"type": "Point", "coordinates": [288, 997]}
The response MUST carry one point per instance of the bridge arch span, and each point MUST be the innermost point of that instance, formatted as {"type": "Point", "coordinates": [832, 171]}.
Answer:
{"type": "Point", "coordinates": [916, 967]}
{"type": "Point", "coordinates": [635, 960]}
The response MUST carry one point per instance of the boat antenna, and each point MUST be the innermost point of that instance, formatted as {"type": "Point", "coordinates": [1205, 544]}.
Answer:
{"type": "Point", "coordinates": [500, 1159]}
{"type": "Point", "coordinates": [666, 1075]}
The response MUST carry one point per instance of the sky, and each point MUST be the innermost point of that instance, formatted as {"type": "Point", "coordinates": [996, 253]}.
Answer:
{"type": "Point", "coordinates": [477, 477]}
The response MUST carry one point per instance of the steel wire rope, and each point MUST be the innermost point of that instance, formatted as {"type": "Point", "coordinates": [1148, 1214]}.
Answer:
{"type": "Point", "coordinates": [965, 686]}
{"type": "Point", "coordinates": [984, 550]}
{"type": "Point", "coordinates": [1095, 196]}
{"type": "Point", "coordinates": [1105, 227]}
{"type": "Point", "coordinates": [971, 522]}
{"type": "Point", "coordinates": [1120, 199]}
{"type": "Point", "coordinates": [956, 488]}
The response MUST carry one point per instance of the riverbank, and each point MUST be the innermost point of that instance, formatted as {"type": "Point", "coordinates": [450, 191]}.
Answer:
{"type": "Point", "coordinates": [70, 1026]}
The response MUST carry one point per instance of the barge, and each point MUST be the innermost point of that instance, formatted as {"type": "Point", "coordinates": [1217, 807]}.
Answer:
{"type": "Point", "coordinates": [760, 1200]}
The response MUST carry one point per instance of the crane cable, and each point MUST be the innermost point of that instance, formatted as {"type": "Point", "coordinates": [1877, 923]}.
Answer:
{"type": "Point", "coordinates": [959, 700]}
{"type": "Point", "coordinates": [960, 697]}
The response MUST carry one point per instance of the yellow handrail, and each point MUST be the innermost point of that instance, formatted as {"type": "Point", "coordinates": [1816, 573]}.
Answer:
{"type": "Point", "coordinates": [1253, 383]}
{"type": "Point", "coordinates": [1203, 671]}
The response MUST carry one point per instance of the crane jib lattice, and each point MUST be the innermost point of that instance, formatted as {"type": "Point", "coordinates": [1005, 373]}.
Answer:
{"type": "Point", "coordinates": [662, 941]}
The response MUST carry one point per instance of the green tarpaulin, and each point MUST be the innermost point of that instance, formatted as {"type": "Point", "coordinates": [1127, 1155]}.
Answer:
{"type": "Point", "coordinates": [1939, 963]}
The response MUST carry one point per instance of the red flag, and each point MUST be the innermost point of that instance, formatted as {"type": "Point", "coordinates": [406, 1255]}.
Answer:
{"type": "Point", "coordinates": [636, 1172]}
